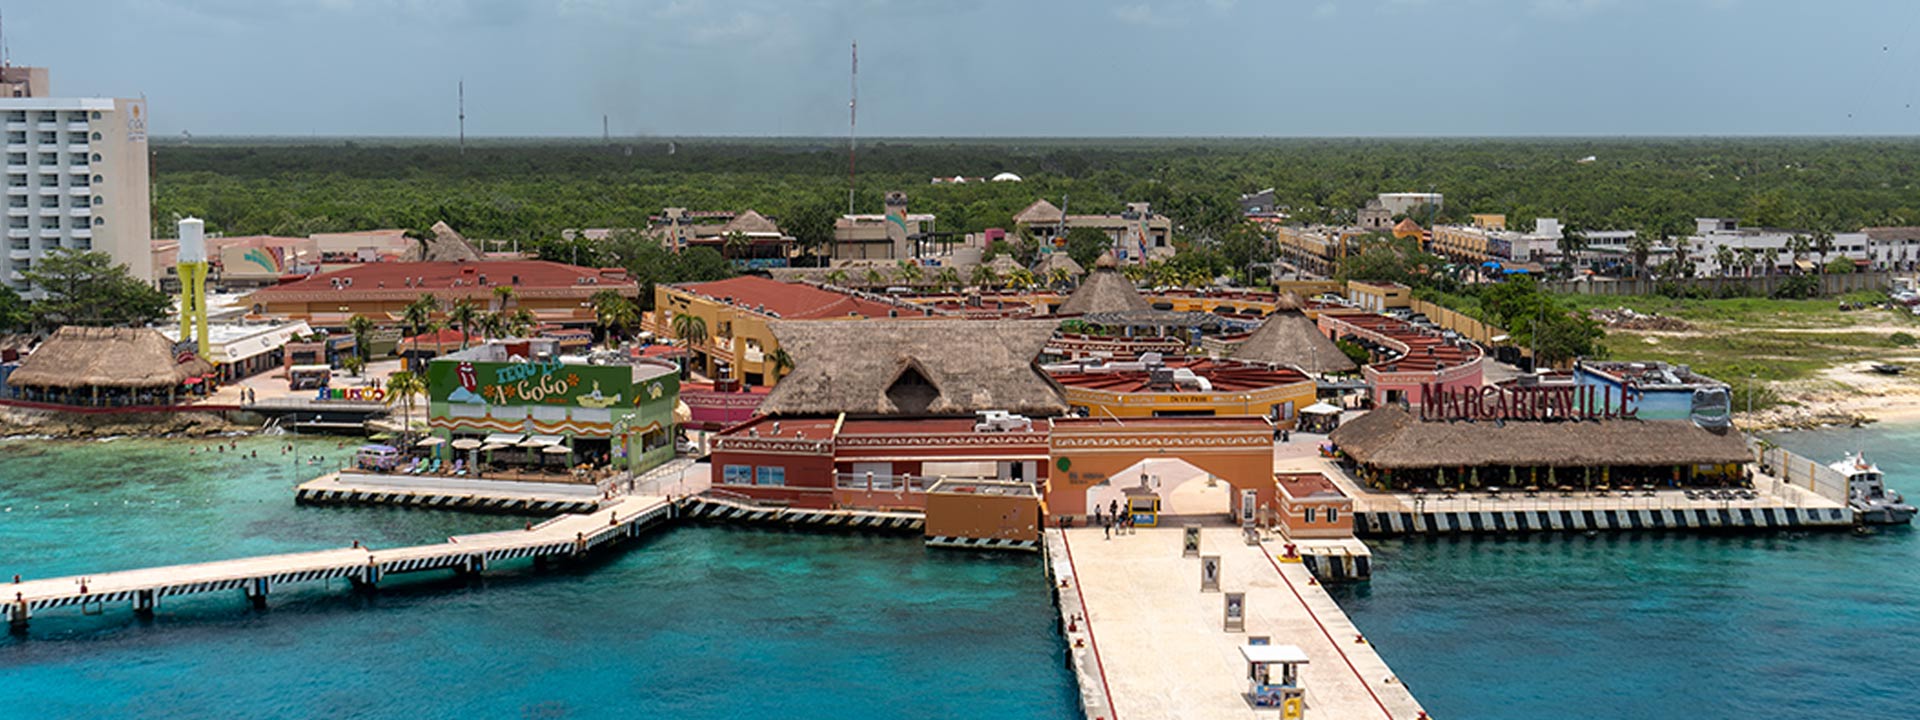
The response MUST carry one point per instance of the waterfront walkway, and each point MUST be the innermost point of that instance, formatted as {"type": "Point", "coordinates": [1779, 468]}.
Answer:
{"type": "Point", "coordinates": [1159, 640]}
{"type": "Point", "coordinates": [564, 536]}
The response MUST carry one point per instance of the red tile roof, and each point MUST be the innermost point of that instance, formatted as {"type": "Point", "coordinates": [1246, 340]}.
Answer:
{"type": "Point", "coordinates": [409, 280]}
{"type": "Point", "coordinates": [792, 301]}
{"type": "Point", "coordinates": [1225, 376]}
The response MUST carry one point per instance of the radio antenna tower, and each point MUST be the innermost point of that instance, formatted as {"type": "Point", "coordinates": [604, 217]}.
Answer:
{"type": "Point", "coordinates": [853, 120]}
{"type": "Point", "coordinates": [463, 118]}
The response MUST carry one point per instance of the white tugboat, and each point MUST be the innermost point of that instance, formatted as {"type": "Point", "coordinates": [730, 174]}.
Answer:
{"type": "Point", "coordinates": [1867, 493]}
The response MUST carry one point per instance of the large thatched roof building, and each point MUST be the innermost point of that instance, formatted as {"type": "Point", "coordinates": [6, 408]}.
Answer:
{"type": "Point", "coordinates": [1391, 438]}
{"type": "Point", "coordinates": [914, 368]}
{"type": "Point", "coordinates": [107, 358]}
{"type": "Point", "coordinates": [1105, 291]}
{"type": "Point", "coordinates": [1289, 338]}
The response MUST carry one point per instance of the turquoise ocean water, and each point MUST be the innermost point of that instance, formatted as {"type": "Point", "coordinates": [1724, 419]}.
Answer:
{"type": "Point", "coordinates": [693, 622]}
{"type": "Point", "coordinates": [1660, 625]}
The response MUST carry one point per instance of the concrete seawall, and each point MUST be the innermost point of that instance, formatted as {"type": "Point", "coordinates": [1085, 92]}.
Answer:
{"type": "Point", "coordinates": [1725, 519]}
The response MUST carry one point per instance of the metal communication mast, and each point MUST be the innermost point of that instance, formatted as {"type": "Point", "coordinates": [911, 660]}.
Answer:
{"type": "Point", "coordinates": [463, 117]}
{"type": "Point", "coordinates": [853, 119]}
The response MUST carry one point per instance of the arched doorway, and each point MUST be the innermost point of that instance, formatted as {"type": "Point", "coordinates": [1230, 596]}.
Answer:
{"type": "Point", "coordinates": [1093, 460]}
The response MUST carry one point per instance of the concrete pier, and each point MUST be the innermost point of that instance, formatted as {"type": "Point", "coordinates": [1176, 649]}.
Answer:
{"type": "Point", "coordinates": [565, 536]}
{"type": "Point", "coordinates": [1159, 640]}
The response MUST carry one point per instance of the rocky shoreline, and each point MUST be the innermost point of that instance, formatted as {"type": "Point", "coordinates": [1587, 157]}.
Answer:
{"type": "Point", "coordinates": [16, 421]}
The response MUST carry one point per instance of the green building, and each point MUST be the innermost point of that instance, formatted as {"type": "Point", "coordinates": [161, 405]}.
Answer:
{"type": "Point", "coordinates": [506, 404]}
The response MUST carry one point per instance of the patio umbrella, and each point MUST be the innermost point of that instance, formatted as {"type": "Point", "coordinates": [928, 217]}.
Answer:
{"type": "Point", "coordinates": [532, 443]}
{"type": "Point", "coordinates": [466, 444]}
{"type": "Point", "coordinates": [495, 446]}
{"type": "Point", "coordinates": [557, 450]}
{"type": "Point", "coordinates": [430, 442]}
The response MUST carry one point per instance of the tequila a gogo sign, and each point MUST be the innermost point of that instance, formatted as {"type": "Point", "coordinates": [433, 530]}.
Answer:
{"type": "Point", "coordinates": [1567, 402]}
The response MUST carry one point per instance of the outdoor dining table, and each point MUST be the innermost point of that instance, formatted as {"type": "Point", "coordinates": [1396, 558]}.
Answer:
{"type": "Point", "coordinates": [1533, 491]}
{"type": "Point", "coordinates": [1566, 491]}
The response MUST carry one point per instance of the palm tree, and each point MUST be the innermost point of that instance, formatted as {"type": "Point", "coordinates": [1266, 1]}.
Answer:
{"type": "Point", "coordinates": [1022, 278]}
{"type": "Point", "coordinates": [1571, 242]}
{"type": "Point", "coordinates": [947, 279]}
{"type": "Point", "coordinates": [1723, 256]}
{"type": "Point", "coordinates": [782, 362]}
{"type": "Point", "coordinates": [984, 276]}
{"type": "Point", "coordinates": [1747, 259]}
{"type": "Point", "coordinates": [733, 244]}
{"type": "Point", "coordinates": [875, 278]}
{"type": "Point", "coordinates": [690, 328]}
{"type": "Point", "coordinates": [492, 325]}
{"type": "Point", "coordinates": [1800, 246]}
{"type": "Point", "coordinates": [420, 312]}
{"type": "Point", "coordinates": [1640, 246]}
{"type": "Point", "coordinates": [353, 364]}
{"type": "Point", "coordinates": [402, 386]}
{"type": "Point", "coordinates": [1059, 277]}
{"type": "Point", "coordinates": [836, 276]}
{"type": "Point", "coordinates": [502, 294]}
{"type": "Point", "coordinates": [910, 272]}
{"type": "Point", "coordinates": [1772, 256]}
{"type": "Point", "coordinates": [361, 327]}
{"type": "Point", "coordinates": [613, 313]}
{"type": "Point", "coordinates": [1822, 243]}
{"type": "Point", "coordinates": [463, 314]}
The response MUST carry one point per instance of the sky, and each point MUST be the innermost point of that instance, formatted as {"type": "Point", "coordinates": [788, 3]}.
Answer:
{"type": "Point", "coordinates": [1276, 68]}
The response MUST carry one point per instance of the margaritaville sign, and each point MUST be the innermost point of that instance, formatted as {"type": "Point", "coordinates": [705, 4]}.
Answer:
{"type": "Point", "coordinates": [1575, 402]}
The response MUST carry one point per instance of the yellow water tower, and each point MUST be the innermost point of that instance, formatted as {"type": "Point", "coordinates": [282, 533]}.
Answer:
{"type": "Point", "coordinates": [192, 267]}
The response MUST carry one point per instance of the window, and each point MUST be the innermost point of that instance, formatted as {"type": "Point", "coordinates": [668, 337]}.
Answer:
{"type": "Point", "coordinates": [47, 138]}
{"type": "Point", "coordinates": [737, 475]}
{"type": "Point", "coordinates": [96, 116]}
{"type": "Point", "coordinates": [772, 476]}
{"type": "Point", "coordinates": [96, 157]}
{"type": "Point", "coordinates": [96, 136]}
{"type": "Point", "coordinates": [49, 158]}
{"type": "Point", "coordinates": [17, 116]}
{"type": "Point", "coordinates": [97, 222]}
{"type": "Point", "coordinates": [48, 116]}
{"type": "Point", "coordinates": [1333, 515]}
{"type": "Point", "coordinates": [97, 200]}
{"type": "Point", "coordinates": [1309, 514]}
{"type": "Point", "coordinates": [50, 201]}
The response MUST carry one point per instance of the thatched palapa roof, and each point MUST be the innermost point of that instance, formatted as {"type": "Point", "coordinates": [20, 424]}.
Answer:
{"type": "Point", "coordinates": [79, 357]}
{"type": "Point", "coordinates": [1394, 438]}
{"type": "Point", "coordinates": [1289, 338]}
{"type": "Point", "coordinates": [914, 368]}
{"type": "Point", "coordinates": [446, 245]}
{"type": "Point", "coordinates": [749, 222]}
{"type": "Point", "coordinates": [1060, 261]}
{"type": "Point", "coordinates": [1004, 265]}
{"type": "Point", "coordinates": [1105, 291]}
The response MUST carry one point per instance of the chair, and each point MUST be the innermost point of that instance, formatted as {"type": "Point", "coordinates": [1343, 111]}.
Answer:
{"type": "Point", "coordinates": [460, 467]}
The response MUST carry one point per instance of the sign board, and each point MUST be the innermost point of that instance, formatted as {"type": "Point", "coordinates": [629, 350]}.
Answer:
{"type": "Point", "coordinates": [1236, 612]}
{"type": "Point", "coordinates": [1494, 402]}
{"type": "Point", "coordinates": [1191, 546]}
{"type": "Point", "coordinates": [1210, 573]}
{"type": "Point", "coordinates": [543, 382]}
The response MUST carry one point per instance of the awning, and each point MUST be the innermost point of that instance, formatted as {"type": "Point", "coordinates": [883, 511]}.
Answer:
{"type": "Point", "coordinates": [1320, 408]}
{"type": "Point", "coordinates": [1803, 264]}
{"type": "Point", "coordinates": [1273, 654]}
{"type": "Point", "coordinates": [503, 438]}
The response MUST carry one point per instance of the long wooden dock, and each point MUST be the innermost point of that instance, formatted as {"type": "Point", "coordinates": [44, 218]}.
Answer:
{"type": "Point", "coordinates": [564, 536]}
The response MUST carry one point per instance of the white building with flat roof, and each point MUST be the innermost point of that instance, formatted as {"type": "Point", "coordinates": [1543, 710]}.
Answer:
{"type": "Point", "coordinates": [76, 172]}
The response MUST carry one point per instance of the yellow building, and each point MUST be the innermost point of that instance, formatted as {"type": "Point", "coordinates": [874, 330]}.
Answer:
{"type": "Point", "coordinates": [1187, 388]}
{"type": "Point", "coordinates": [734, 312]}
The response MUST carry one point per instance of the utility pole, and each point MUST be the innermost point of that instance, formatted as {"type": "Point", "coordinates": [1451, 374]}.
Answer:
{"type": "Point", "coordinates": [853, 120]}
{"type": "Point", "coordinates": [463, 118]}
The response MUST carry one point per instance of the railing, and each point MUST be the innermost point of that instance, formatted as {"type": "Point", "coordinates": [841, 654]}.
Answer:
{"type": "Point", "coordinates": [874, 482]}
{"type": "Point", "coordinates": [1799, 472]}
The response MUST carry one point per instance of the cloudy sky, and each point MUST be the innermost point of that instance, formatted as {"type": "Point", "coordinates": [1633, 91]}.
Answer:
{"type": "Point", "coordinates": [991, 67]}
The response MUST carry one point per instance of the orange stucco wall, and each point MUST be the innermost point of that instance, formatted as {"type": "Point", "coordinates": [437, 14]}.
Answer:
{"type": "Point", "coordinates": [1009, 517]}
{"type": "Point", "coordinates": [1237, 450]}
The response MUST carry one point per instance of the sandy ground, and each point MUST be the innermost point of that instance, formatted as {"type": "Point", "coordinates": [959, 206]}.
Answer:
{"type": "Point", "coordinates": [1849, 394]}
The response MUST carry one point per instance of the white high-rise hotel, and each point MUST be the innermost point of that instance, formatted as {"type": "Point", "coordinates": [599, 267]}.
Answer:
{"type": "Point", "coordinates": [76, 176]}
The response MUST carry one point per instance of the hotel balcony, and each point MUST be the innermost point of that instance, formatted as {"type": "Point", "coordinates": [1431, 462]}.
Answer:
{"type": "Point", "coordinates": [19, 211]}
{"type": "Point", "coordinates": [20, 254]}
{"type": "Point", "coordinates": [79, 126]}
{"type": "Point", "coordinates": [17, 126]}
{"type": "Point", "coordinates": [47, 127]}
{"type": "Point", "coordinates": [81, 169]}
{"type": "Point", "coordinates": [49, 169]}
{"type": "Point", "coordinates": [49, 189]}
{"type": "Point", "coordinates": [19, 232]}
{"type": "Point", "coordinates": [80, 212]}
{"type": "Point", "coordinates": [16, 147]}
{"type": "Point", "coordinates": [80, 190]}
{"type": "Point", "coordinates": [17, 169]}
{"type": "Point", "coordinates": [85, 233]}
{"type": "Point", "coordinates": [19, 190]}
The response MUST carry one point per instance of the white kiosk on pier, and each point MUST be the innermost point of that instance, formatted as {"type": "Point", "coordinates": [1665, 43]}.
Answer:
{"type": "Point", "coordinates": [1273, 678]}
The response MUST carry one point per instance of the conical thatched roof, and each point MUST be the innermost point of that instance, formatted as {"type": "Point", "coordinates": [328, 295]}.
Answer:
{"type": "Point", "coordinates": [1059, 260]}
{"type": "Point", "coordinates": [448, 246]}
{"type": "Point", "coordinates": [914, 368]}
{"type": "Point", "coordinates": [749, 222]}
{"type": "Point", "coordinates": [1003, 264]}
{"type": "Point", "coordinates": [1040, 212]}
{"type": "Point", "coordinates": [78, 357]}
{"type": "Point", "coordinates": [1394, 438]}
{"type": "Point", "coordinates": [1104, 291]}
{"type": "Point", "coordinates": [1289, 338]}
